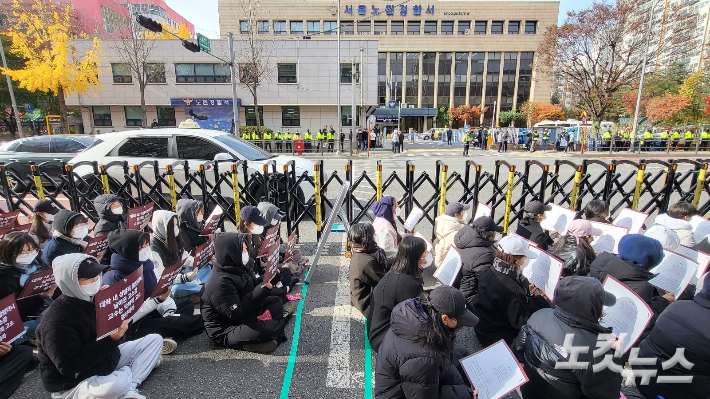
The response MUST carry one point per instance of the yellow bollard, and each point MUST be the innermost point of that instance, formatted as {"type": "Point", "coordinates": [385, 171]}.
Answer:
{"type": "Point", "coordinates": [508, 199]}
{"type": "Point", "coordinates": [38, 182]}
{"type": "Point", "coordinates": [637, 191]}
{"type": "Point", "coordinates": [700, 185]}
{"type": "Point", "coordinates": [575, 189]}
{"type": "Point", "coordinates": [442, 201]}
{"type": "Point", "coordinates": [316, 179]}
{"type": "Point", "coordinates": [104, 180]}
{"type": "Point", "coordinates": [235, 189]}
{"type": "Point", "coordinates": [171, 186]}
{"type": "Point", "coordinates": [379, 182]}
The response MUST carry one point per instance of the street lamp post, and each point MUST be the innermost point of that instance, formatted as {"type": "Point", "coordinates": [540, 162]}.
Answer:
{"type": "Point", "coordinates": [12, 94]}
{"type": "Point", "coordinates": [643, 73]}
{"type": "Point", "coordinates": [233, 69]}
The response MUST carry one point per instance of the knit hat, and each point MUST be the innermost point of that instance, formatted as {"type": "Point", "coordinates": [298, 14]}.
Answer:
{"type": "Point", "coordinates": [643, 251]}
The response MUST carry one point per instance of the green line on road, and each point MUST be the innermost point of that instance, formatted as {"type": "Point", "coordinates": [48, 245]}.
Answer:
{"type": "Point", "coordinates": [368, 365]}
{"type": "Point", "coordinates": [294, 342]}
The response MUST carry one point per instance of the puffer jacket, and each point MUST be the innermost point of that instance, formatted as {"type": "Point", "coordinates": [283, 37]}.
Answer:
{"type": "Point", "coordinates": [58, 246]}
{"type": "Point", "coordinates": [682, 227]}
{"type": "Point", "coordinates": [190, 228]}
{"type": "Point", "coordinates": [531, 229]}
{"type": "Point", "coordinates": [477, 256]}
{"type": "Point", "coordinates": [10, 285]}
{"type": "Point", "coordinates": [108, 221]}
{"type": "Point", "coordinates": [575, 256]}
{"type": "Point", "coordinates": [446, 228]}
{"type": "Point", "coordinates": [406, 369]}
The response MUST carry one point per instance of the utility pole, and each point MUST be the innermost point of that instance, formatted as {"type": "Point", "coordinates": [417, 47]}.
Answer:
{"type": "Point", "coordinates": [643, 72]}
{"type": "Point", "coordinates": [338, 112]}
{"type": "Point", "coordinates": [233, 68]}
{"type": "Point", "coordinates": [352, 111]}
{"type": "Point", "coordinates": [12, 94]}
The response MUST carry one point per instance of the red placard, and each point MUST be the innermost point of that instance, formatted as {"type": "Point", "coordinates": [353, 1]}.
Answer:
{"type": "Point", "coordinates": [11, 327]}
{"type": "Point", "coordinates": [203, 254]}
{"type": "Point", "coordinates": [23, 228]}
{"type": "Point", "coordinates": [118, 302]}
{"type": "Point", "coordinates": [97, 246]}
{"type": "Point", "coordinates": [272, 261]}
{"type": "Point", "coordinates": [212, 222]}
{"type": "Point", "coordinates": [8, 219]}
{"type": "Point", "coordinates": [272, 235]}
{"type": "Point", "coordinates": [166, 280]}
{"type": "Point", "coordinates": [38, 283]}
{"type": "Point", "coordinates": [290, 246]}
{"type": "Point", "coordinates": [139, 217]}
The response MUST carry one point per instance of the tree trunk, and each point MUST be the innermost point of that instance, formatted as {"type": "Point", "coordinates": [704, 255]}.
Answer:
{"type": "Point", "coordinates": [144, 117]}
{"type": "Point", "coordinates": [256, 112]}
{"type": "Point", "coordinates": [63, 119]}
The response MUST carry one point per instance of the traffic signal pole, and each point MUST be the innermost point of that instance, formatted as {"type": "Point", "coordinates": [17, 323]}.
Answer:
{"type": "Point", "coordinates": [233, 68]}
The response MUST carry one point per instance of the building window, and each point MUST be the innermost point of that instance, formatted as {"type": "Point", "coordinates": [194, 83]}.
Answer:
{"type": "Point", "coordinates": [296, 27]}
{"type": "Point", "coordinates": [244, 27]}
{"type": "Point", "coordinates": [121, 73]}
{"type": "Point", "coordinates": [477, 68]}
{"type": "Point", "coordinates": [155, 73]}
{"type": "Point", "coordinates": [166, 116]}
{"type": "Point", "coordinates": [364, 27]}
{"type": "Point", "coordinates": [248, 73]}
{"type": "Point", "coordinates": [250, 116]}
{"type": "Point", "coordinates": [492, 83]}
{"type": "Point", "coordinates": [134, 115]}
{"type": "Point", "coordinates": [414, 27]}
{"type": "Point", "coordinates": [430, 27]}
{"type": "Point", "coordinates": [346, 72]}
{"type": "Point", "coordinates": [510, 63]}
{"type": "Point", "coordinates": [263, 27]}
{"type": "Point", "coordinates": [447, 27]}
{"type": "Point", "coordinates": [513, 27]}
{"type": "Point", "coordinates": [290, 116]}
{"type": "Point", "coordinates": [411, 94]}
{"type": "Point", "coordinates": [524, 77]}
{"type": "Point", "coordinates": [202, 73]}
{"type": "Point", "coordinates": [280, 27]}
{"type": "Point", "coordinates": [347, 27]}
{"type": "Point", "coordinates": [380, 27]}
{"type": "Point", "coordinates": [102, 115]}
{"type": "Point", "coordinates": [287, 73]}
{"type": "Point", "coordinates": [464, 27]}
{"type": "Point", "coordinates": [497, 28]}
{"type": "Point", "coordinates": [428, 77]}
{"type": "Point", "coordinates": [397, 28]}
{"type": "Point", "coordinates": [330, 27]}
{"type": "Point", "coordinates": [313, 27]}
{"type": "Point", "coordinates": [396, 66]}
{"type": "Point", "coordinates": [530, 27]}
{"type": "Point", "coordinates": [480, 27]}
{"type": "Point", "coordinates": [444, 92]}
{"type": "Point", "coordinates": [460, 78]}
{"type": "Point", "coordinates": [381, 78]}
{"type": "Point", "coordinates": [346, 115]}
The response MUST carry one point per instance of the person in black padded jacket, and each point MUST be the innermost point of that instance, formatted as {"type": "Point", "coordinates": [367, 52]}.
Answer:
{"type": "Point", "coordinates": [367, 266]}
{"type": "Point", "coordinates": [529, 225]}
{"type": "Point", "coordinates": [574, 250]}
{"type": "Point", "coordinates": [191, 215]}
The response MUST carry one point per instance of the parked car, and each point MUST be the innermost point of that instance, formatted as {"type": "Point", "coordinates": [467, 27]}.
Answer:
{"type": "Point", "coordinates": [19, 154]}
{"type": "Point", "coordinates": [171, 146]}
{"type": "Point", "coordinates": [432, 134]}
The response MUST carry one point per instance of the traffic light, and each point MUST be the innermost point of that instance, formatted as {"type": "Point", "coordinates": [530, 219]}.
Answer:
{"type": "Point", "coordinates": [149, 24]}
{"type": "Point", "coordinates": [194, 47]}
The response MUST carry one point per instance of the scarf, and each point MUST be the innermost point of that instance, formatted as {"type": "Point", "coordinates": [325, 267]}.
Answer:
{"type": "Point", "coordinates": [378, 254]}
{"type": "Point", "coordinates": [27, 271]}
{"type": "Point", "coordinates": [75, 241]}
{"type": "Point", "coordinates": [575, 321]}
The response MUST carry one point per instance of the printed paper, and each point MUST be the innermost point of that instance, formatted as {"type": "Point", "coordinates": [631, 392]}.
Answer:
{"type": "Point", "coordinates": [629, 316]}
{"type": "Point", "coordinates": [673, 273]}
{"type": "Point", "coordinates": [609, 240]}
{"type": "Point", "coordinates": [494, 371]}
{"type": "Point", "coordinates": [631, 219]}
{"type": "Point", "coordinates": [450, 267]}
{"type": "Point", "coordinates": [414, 217]}
{"type": "Point", "coordinates": [558, 219]}
{"type": "Point", "coordinates": [544, 271]}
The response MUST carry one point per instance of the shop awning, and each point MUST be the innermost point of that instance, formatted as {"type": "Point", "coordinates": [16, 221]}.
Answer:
{"type": "Point", "coordinates": [405, 112]}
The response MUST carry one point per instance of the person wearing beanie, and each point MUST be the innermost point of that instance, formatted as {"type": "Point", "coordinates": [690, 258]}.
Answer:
{"type": "Point", "coordinates": [668, 238]}
{"type": "Point", "coordinates": [446, 226]}
{"type": "Point", "coordinates": [682, 325]}
{"type": "Point", "coordinates": [529, 225]}
{"type": "Point", "coordinates": [678, 220]}
{"type": "Point", "coordinates": [69, 236]}
{"type": "Point", "coordinates": [73, 363]}
{"type": "Point", "coordinates": [41, 220]}
{"type": "Point", "coordinates": [476, 243]}
{"type": "Point", "coordinates": [386, 235]}
{"type": "Point", "coordinates": [574, 248]}
{"type": "Point", "coordinates": [579, 303]}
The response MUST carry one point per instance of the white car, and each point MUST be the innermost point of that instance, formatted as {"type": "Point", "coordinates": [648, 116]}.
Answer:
{"type": "Point", "coordinates": [176, 145]}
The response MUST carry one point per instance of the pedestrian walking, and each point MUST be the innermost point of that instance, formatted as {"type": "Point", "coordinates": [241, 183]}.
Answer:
{"type": "Point", "coordinates": [449, 136]}
{"type": "Point", "coordinates": [503, 142]}
{"type": "Point", "coordinates": [395, 141]}
{"type": "Point", "coordinates": [400, 147]}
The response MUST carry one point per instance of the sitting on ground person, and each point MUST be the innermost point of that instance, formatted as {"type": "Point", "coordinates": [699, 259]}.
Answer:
{"type": "Point", "coordinates": [69, 236]}
{"type": "Point", "coordinates": [42, 222]}
{"type": "Point", "coordinates": [574, 250]}
{"type": "Point", "coordinates": [476, 243]}
{"type": "Point", "coordinates": [168, 249]}
{"type": "Point", "coordinates": [529, 225]}
{"type": "Point", "coordinates": [15, 361]}
{"type": "Point", "coordinates": [112, 216]}
{"type": "Point", "coordinates": [73, 363]}
{"type": "Point", "coordinates": [446, 226]}
{"type": "Point", "coordinates": [678, 220]}
{"type": "Point", "coordinates": [668, 238]}
{"type": "Point", "coordinates": [597, 211]}
{"type": "Point", "coordinates": [386, 234]}
{"type": "Point", "coordinates": [273, 215]}
{"type": "Point", "coordinates": [368, 264]}
{"type": "Point", "coordinates": [191, 215]}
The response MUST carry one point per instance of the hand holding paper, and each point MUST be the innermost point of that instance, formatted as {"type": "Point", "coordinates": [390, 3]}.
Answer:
{"type": "Point", "coordinates": [674, 273]}
{"type": "Point", "coordinates": [450, 267]}
{"type": "Point", "coordinates": [494, 371]}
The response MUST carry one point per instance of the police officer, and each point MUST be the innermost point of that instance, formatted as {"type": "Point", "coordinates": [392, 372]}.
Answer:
{"type": "Point", "coordinates": [704, 139]}
{"type": "Point", "coordinates": [279, 140]}
{"type": "Point", "coordinates": [689, 136]}
{"type": "Point", "coordinates": [647, 139]}
{"type": "Point", "coordinates": [535, 137]}
{"type": "Point", "coordinates": [675, 137]}
{"type": "Point", "coordinates": [545, 139]}
{"type": "Point", "coordinates": [267, 140]}
{"type": "Point", "coordinates": [331, 139]}
{"type": "Point", "coordinates": [606, 139]}
{"type": "Point", "coordinates": [246, 135]}
{"type": "Point", "coordinates": [288, 138]}
{"type": "Point", "coordinates": [255, 138]}
{"type": "Point", "coordinates": [664, 139]}
{"type": "Point", "coordinates": [307, 140]}
{"type": "Point", "coordinates": [321, 138]}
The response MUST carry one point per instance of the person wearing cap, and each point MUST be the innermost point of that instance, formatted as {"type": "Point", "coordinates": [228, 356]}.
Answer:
{"type": "Point", "coordinates": [368, 264]}
{"type": "Point", "coordinates": [476, 243]}
{"type": "Point", "coordinates": [682, 325]}
{"type": "Point", "coordinates": [386, 235]}
{"type": "Point", "coordinates": [417, 358]}
{"type": "Point", "coordinates": [529, 225]}
{"type": "Point", "coordinates": [74, 364]}
{"type": "Point", "coordinates": [271, 212]}
{"type": "Point", "coordinates": [446, 226]}
{"type": "Point", "coordinates": [667, 237]}
{"type": "Point", "coordinates": [70, 231]}
{"type": "Point", "coordinates": [678, 220]}
{"type": "Point", "coordinates": [541, 344]}
{"type": "Point", "coordinates": [506, 299]}
{"type": "Point", "coordinates": [41, 220]}
{"type": "Point", "coordinates": [574, 248]}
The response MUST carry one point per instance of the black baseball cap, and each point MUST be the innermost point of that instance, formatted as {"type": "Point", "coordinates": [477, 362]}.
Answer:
{"type": "Point", "coordinates": [253, 214]}
{"type": "Point", "coordinates": [485, 223]}
{"type": "Point", "coordinates": [450, 301]}
{"type": "Point", "coordinates": [46, 206]}
{"type": "Point", "coordinates": [89, 268]}
{"type": "Point", "coordinates": [536, 207]}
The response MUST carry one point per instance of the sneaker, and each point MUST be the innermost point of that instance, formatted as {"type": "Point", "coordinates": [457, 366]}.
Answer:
{"type": "Point", "coordinates": [132, 394]}
{"type": "Point", "coordinates": [169, 346]}
{"type": "Point", "coordinates": [291, 307]}
{"type": "Point", "coordinates": [261, 347]}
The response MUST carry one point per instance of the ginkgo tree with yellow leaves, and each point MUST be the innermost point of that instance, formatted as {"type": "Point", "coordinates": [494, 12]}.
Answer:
{"type": "Point", "coordinates": [44, 34]}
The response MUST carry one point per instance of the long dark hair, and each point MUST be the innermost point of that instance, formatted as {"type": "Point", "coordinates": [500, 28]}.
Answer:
{"type": "Point", "coordinates": [363, 235]}
{"type": "Point", "coordinates": [438, 337]}
{"type": "Point", "coordinates": [38, 227]}
{"type": "Point", "coordinates": [174, 246]}
{"type": "Point", "coordinates": [253, 241]}
{"type": "Point", "coordinates": [409, 252]}
{"type": "Point", "coordinates": [12, 245]}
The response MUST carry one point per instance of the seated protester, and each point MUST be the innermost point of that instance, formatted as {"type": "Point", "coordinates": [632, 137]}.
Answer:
{"type": "Point", "coordinates": [18, 260]}
{"type": "Point", "coordinates": [476, 243]}
{"type": "Point", "coordinates": [15, 361]}
{"type": "Point", "coordinates": [74, 364]}
{"type": "Point", "coordinates": [579, 303]}
{"type": "Point", "coordinates": [161, 315]}
{"type": "Point", "coordinates": [403, 281]}
{"type": "Point", "coordinates": [112, 215]}
{"type": "Point", "coordinates": [597, 211]}
{"type": "Point", "coordinates": [368, 264]}
{"type": "Point", "coordinates": [678, 220]}
{"type": "Point", "coordinates": [417, 358]}
{"type": "Point", "coordinates": [505, 298]}
{"type": "Point", "coordinates": [191, 216]}
{"type": "Point", "coordinates": [682, 325]}
{"type": "Point", "coordinates": [386, 234]}
{"type": "Point", "coordinates": [529, 225]}
{"type": "Point", "coordinates": [667, 237]}
{"type": "Point", "coordinates": [168, 248]}
{"type": "Point", "coordinates": [446, 226]}
{"type": "Point", "coordinates": [270, 212]}
{"type": "Point", "coordinates": [703, 246]}
{"type": "Point", "coordinates": [41, 220]}
{"type": "Point", "coordinates": [69, 236]}
{"type": "Point", "coordinates": [237, 306]}
{"type": "Point", "coordinates": [574, 250]}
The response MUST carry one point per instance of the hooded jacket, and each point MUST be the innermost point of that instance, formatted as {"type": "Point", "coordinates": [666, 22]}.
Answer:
{"type": "Point", "coordinates": [477, 255]}
{"type": "Point", "coordinates": [162, 226]}
{"type": "Point", "coordinates": [68, 350]}
{"type": "Point", "coordinates": [59, 246]}
{"type": "Point", "coordinates": [125, 261]}
{"type": "Point", "coordinates": [10, 285]}
{"type": "Point", "coordinates": [232, 293]}
{"type": "Point", "coordinates": [189, 226]}
{"type": "Point", "coordinates": [407, 369]}
{"type": "Point", "coordinates": [108, 221]}
{"type": "Point", "coordinates": [682, 227]}
{"type": "Point", "coordinates": [446, 228]}
{"type": "Point", "coordinates": [391, 290]}
{"type": "Point", "coordinates": [576, 257]}
{"type": "Point", "coordinates": [531, 229]}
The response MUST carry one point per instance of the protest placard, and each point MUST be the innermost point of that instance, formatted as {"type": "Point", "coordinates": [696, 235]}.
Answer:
{"type": "Point", "coordinates": [7, 220]}
{"type": "Point", "coordinates": [450, 267]}
{"type": "Point", "coordinates": [272, 235]}
{"type": "Point", "coordinates": [97, 246]}
{"type": "Point", "coordinates": [414, 217]}
{"type": "Point", "coordinates": [166, 280]}
{"type": "Point", "coordinates": [482, 210]}
{"type": "Point", "coordinates": [272, 262]}
{"type": "Point", "coordinates": [631, 219]}
{"type": "Point", "coordinates": [23, 228]}
{"type": "Point", "coordinates": [608, 241]}
{"type": "Point", "coordinates": [494, 371]}
{"type": "Point", "coordinates": [701, 258]}
{"type": "Point", "coordinates": [203, 254]}
{"type": "Point", "coordinates": [139, 217]}
{"type": "Point", "coordinates": [674, 273]}
{"type": "Point", "coordinates": [290, 245]}
{"type": "Point", "coordinates": [212, 222]}
{"type": "Point", "coordinates": [11, 327]}
{"type": "Point", "coordinates": [37, 283]}
{"type": "Point", "coordinates": [544, 271]}
{"type": "Point", "coordinates": [429, 245]}
{"type": "Point", "coordinates": [118, 302]}
{"type": "Point", "coordinates": [558, 219]}
{"type": "Point", "coordinates": [701, 227]}
{"type": "Point", "coordinates": [629, 316]}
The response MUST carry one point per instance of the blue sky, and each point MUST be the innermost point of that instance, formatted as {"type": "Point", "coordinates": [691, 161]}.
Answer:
{"type": "Point", "coordinates": [203, 13]}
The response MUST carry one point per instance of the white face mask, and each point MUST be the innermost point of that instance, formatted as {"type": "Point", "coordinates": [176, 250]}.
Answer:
{"type": "Point", "coordinates": [92, 288]}
{"type": "Point", "coordinates": [257, 229]}
{"type": "Point", "coordinates": [464, 218]}
{"type": "Point", "coordinates": [144, 254]}
{"type": "Point", "coordinates": [245, 258]}
{"type": "Point", "coordinates": [176, 230]}
{"type": "Point", "coordinates": [117, 211]}
{"type": "Point", "coordinates": [81, 232]}
{"type": "Point", "coordinates": [199, 217]}
{"type": "Point", "coordinates": [49, 217]}
{"type": "Point", "coordinates": [274, 222]}
{"type": "Point", "coordinates": [429, 258]}
{"type": "Point", "coordinates": [398, 211]}
{"type": "Point", "coordinates": [26, 259]}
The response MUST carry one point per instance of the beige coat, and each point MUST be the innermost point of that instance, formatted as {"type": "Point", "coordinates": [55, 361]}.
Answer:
{"type": "Point", "coordinates": [446, 228]}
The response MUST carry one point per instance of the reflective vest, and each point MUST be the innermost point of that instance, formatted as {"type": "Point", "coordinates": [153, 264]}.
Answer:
{"type": "Point", "coordinates": [278, 136]}
{"type": "Point", "coordinates": [664, 134]}
{"type": "Point", "coordinates": [287, 136]}
{"type": "Point", "coordinates": [607, 136]}
{"type": "Point", "coordinates": [546, 136]}
{"type": "Point", "coordinates": [689, 135]}
{"type": "Point", "coordinates": [535, 136]}
{"type": "Point", "coordinates": [296, 135]}
{"type": "Point", "coordinates": [647, 135]}
{"type": "Point", "coordinates": [320, 135]}
{"type": "Point", "coordinates": [308, 135]}
{"type": "Point", "coordinates": [331, 136]}
{"type": "Point", "coordinates": [267, 136]}
{"type": "Point", "coordinates": [705, 135]}
{"type": "Point", "coordinates": [675, 135]}
{"type": "Point", "coordinates": [245, 136]}
{"type": "Point", "coordinates": [254, 136]}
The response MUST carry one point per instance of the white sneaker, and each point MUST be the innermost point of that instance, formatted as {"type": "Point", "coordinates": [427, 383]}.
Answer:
{"type": "Point", "coordinates": [132, 394]}
{"type": "Point", "coordinates": [169, 346]}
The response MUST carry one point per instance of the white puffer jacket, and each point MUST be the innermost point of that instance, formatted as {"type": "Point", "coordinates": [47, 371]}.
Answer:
{"type": "Point", "coordinates": [446, 228]}
{"type": "Point", "coordinates": [681, 227]}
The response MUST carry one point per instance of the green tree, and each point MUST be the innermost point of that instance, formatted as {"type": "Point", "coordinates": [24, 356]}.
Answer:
{"type": "Point", "coordinates": [556, 98]}
{"type": "Point", "coordinates": [693, 89]}
{"type": "Point", "coordinates": [443, 117]}
{"type": "Point", "coordinates": [511, 118]}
